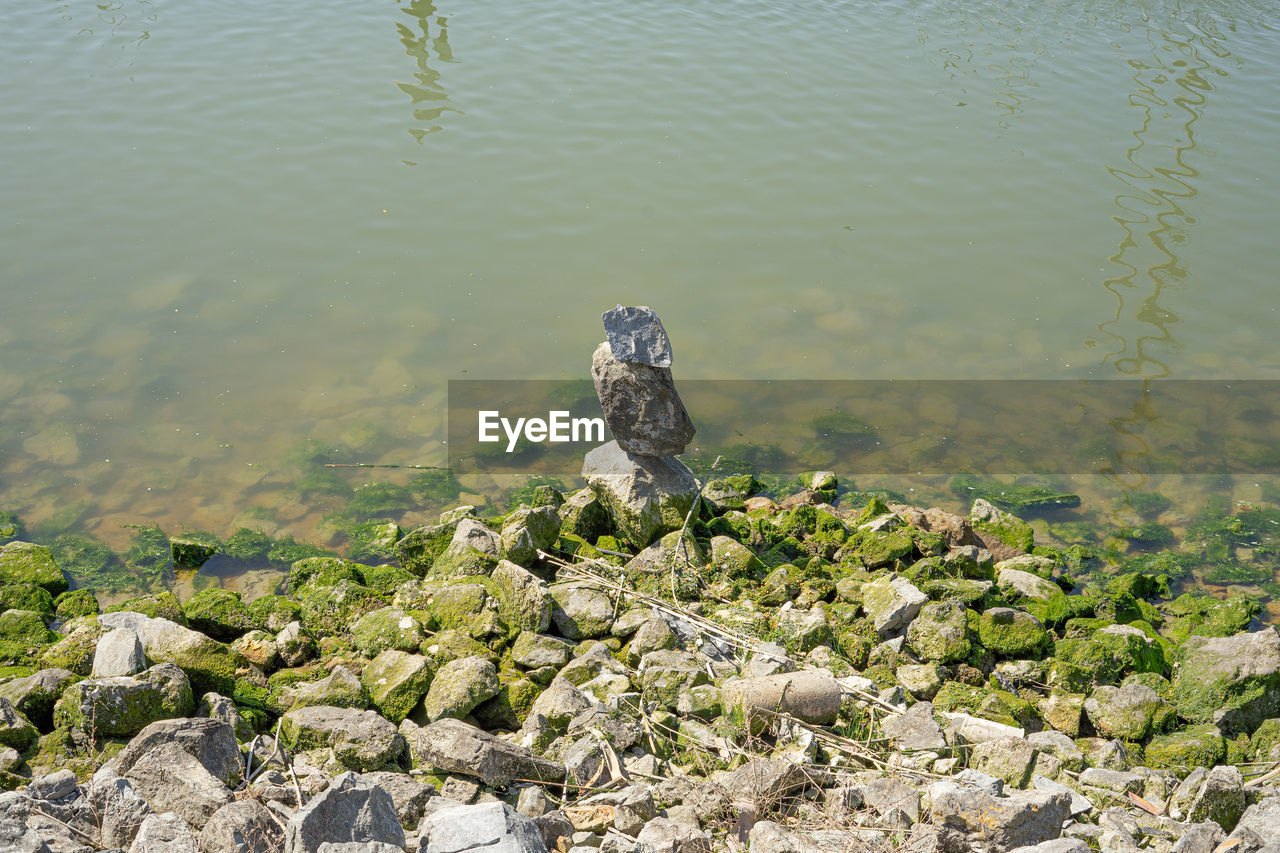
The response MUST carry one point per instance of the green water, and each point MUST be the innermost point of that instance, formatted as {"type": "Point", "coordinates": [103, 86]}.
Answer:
{"type": "Point", "coordinates": [235, 233]}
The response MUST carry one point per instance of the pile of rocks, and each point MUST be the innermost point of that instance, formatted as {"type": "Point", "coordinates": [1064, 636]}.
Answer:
{"type": "Point", "coordinates": [645, 486]}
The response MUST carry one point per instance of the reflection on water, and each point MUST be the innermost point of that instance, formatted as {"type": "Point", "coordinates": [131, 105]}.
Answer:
{"type": "Point", "coordinates": [1170, 91]}
{"type": "Point", "coordinates": [1171, 87]}
{"type": "Point", "coordinates": [430, 100]}
{"type": "Point", "coordinates": [126, 24]}
{"type": "Point", "coordinates": [991, 46]}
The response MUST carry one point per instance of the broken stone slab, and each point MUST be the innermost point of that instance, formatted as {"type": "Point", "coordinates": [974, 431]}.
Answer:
{"type": "Point", "coordinates": [641, 405]}
{"type": "Point", "coordinates": [915, 730]}
{"type": "Point", "coordinates": [164, 833]}
{"type": "Point", "coordinates": [171, 779]}
{"type": "Point", "coordinates": [349, 810]}
{"type": "Point", "coordinates": [978, 730]}
{"type": "Point", "coordinates": [491, 827]}
{"type": "Point", "coordinates": [360, 740]}
{"type": "Point", "coordinates": [664, 835]}
{"type": "Point", "coordinates": [243, 826]}
{"type": "Point", "coordinates": [645, 495]}
{"type": "Point", "coordinates": [457, 747]}
{"type": "Point", "coordinates": [1080, 804]}
{"type": "Point", "coordinates": [635, 334]}
{"type": "Point", "coordinates": [409, 795]}
{"type": "Point", "coordinates": [211, 742]}
{"type": "Point", "coordinates": [119, 652]}
{"type": "Point", "coordinates": [968, 818]}
{"type": "Point", "coordinates": [891, 603]}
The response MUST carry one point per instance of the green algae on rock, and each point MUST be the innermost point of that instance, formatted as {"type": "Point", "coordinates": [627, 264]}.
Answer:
{"type": "Point", "coordinates": [28, 563]}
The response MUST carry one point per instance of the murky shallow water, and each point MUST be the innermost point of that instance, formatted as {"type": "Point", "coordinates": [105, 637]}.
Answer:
{"type": "Point", "coordinates": [234, 234]}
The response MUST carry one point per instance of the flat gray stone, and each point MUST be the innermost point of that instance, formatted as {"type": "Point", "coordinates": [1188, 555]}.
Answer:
{"type": "Point", "coordinates": [164, 833]}
{"type": "Point", "coordinates": [492, 827]}
{"type": "Point", "coordinates": [457, 747]}
{"type": "Point", "coordinates": [119, 652]}
{"type": "Point", "coordinates": [968, 818]}
{"type": "Point", "coordinates": [635, 334]}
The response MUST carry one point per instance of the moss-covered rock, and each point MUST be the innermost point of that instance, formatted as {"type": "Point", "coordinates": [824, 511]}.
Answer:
{"type": "Point", "coordinates": [526, 531]}
{"type": "Point", "coordinates": [453, 645]}
{"type": "Point", "coordinates": [1186, 749]}
{"type": "Point", "coordinates": [339, 689]}
{"type": "Point", "coordinates": [584, 515]}
{"type": "Point", "coordinates": [459, 686]}
{"type": "Point", "coordinates": [10, 527]}
{"type": "Point", "coordinates": [26, 596]}
{"type": "Point", "coordinates": [996, 705]}
{"type": "Point", "coordinates": [23, 636]}
{"type": "Point", "coordinates": [123, 705]}
{"type": "Point", "coordinates": [418, 550]}
{"type": "Point", "coordinates": [580, 612]}
{"type": "Point", "coordinates": [258, 648]}
{"type": "Point", "coordinates": [1063, 711]}
{"type": "Point", "coordinates": [1002, 533]}
{"type": "Point", "coordinates": [210, 665]}
{"type": "Point", "coordinates": [1111, 652]}
{"type": "Point", "coordinates": [322, 571]}
{"type": "Point", "coordinates": [28, 563]}
{"type": "Point", "coordinates": [218, 612]}
{"type": "Point", "coordinates": [456, 606]}
{"type": "Point", "coordinates": [396, 682]}
{"type": "Point", "coordinates": [76, 602]}
{"type": "Point", "coordinates": [160, 605]}
{"type": "Point", "coordinates": [16, 731]}
{"type": "Point", "coordinates": [384, 579]}
{"type": "Point", "coordinates": [387, 628]}
{"type": "Point", "coordinates": [33, 695]}
{"type": "Point", "coordinates": [510, 707]}
{"type": "Point", "coordinates": [193, 550]}
{"type": "Point", "coordinates": [643, 496]}
{"type": "Point", "coordinates": [273, 612]}
{"type": "Point", "coordinates": [329, 610]}
{"type": "Point", "coordinates": [1231, 681]}
{"type": "Point", "coordinates": [373, 541]}
{"type": "Point", "coordinates": [1012, 633]}
{"type": "Point", "coordinates": [1130, 713]}
{"type": "Point", "coordinates": [940, 632]}
{"type": "Point", "coordinates": [1042, 598]}
{"type": "Point", "coordinates": [360, 740]}
{"type": "Point", "coordinates": [524, 600]}
{"type": "Point", "coordinates": [1206, 616]}
{"type": "Point", "coordinates": [74, 652]}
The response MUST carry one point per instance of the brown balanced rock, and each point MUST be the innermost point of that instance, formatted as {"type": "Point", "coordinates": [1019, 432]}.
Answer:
{"type": "Point", "coordinates": [641, 406]}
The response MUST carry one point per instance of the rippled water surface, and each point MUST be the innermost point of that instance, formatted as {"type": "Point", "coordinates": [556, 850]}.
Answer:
{"type": "Point", "coordinates": [241, 240]}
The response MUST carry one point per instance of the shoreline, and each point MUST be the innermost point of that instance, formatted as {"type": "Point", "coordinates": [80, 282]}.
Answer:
{"type": "Point", "coordinates": [855, 652]}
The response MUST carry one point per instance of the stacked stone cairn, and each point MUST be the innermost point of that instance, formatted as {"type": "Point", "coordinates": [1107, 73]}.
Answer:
{"type": "Point", "coordinates": [637, 475]}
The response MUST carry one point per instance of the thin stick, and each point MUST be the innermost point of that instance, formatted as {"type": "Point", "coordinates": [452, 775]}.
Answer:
{"type": "Point", "coordinates": [1265, 777]}
{"type": "Point", "coordinates": [86, 836]}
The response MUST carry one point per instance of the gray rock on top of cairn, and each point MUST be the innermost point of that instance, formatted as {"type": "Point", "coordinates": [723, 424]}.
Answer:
{"type": "Point", "coordinates": [646, 489]}
{"type": "Point", "coordinates": [632, 375]}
